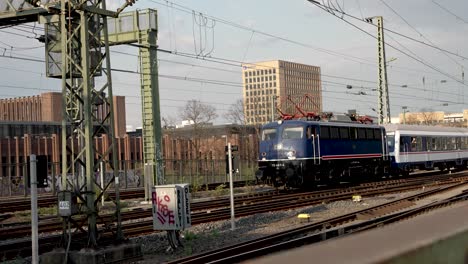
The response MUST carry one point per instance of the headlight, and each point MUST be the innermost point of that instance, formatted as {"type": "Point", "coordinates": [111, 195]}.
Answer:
{"type": "Point", "coordinates": [291, 154]}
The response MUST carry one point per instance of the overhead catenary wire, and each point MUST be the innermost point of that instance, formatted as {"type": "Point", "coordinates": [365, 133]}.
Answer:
{"type": "Point", "coordinates": [233, 84]}
{"type": "Point", "coordinates": [417, 31]}
{"type": "Point", "coordinates": [448, 11]}
{"type": "Point", "coordinates": [395, 48]}
{"type": "Point", "coordinates": [327, 9]}
{"type": "Point", "coordinates": [363, 61]}
{"type": "Point", "coordinates": [239, 64]}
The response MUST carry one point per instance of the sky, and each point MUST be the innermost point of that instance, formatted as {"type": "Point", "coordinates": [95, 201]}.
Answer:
{"type": "Point", "coordinates": [238, 31]}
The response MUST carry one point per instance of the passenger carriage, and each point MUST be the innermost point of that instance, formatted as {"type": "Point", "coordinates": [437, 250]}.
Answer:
{"type": "Point", "coordinates": [426, 147]}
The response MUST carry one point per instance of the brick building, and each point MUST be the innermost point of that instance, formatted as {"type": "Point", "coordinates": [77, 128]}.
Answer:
{"type": "Point", "coordinates": [177, 148]}
{"type": "Point", "coordinates": [46, 108]}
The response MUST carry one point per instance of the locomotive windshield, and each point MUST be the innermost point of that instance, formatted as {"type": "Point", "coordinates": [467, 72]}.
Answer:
{"type": "Point", "coordinates": [293, 133]}
{"type": "Point", "coordinates": [269, 134]}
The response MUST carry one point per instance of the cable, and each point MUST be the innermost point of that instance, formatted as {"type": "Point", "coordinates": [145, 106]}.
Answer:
{"type": "Point", "coordinates": [395, 48]}
{"type": "Point", "coordinates": [232, 84]}
{"type": "Point", "coordinates": [450, 12]}
{"type": "Point", "coordinates": [233, 24]}
{"type": "Point", "coordinates": [417, 31]}
{"type": "Point", "coordinates": [239, 63]}
{"type": "Point", "coordinates": [328, 9]}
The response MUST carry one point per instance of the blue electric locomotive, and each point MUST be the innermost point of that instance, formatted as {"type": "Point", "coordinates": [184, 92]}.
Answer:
{"type": "Point", "coordinates": [295, 153]}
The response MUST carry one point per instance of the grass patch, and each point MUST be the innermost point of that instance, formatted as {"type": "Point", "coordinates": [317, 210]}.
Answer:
{"type": "Point", "coordinates": [221, 190]}
{"type": "Point", "coordinates": [18, 260]}
{"type": "Point", "coordinates": [47, 210]}
{"type": "Point", "coordinates": [189, 236]}
{"type": "Point", "coordinates": [215, 233]}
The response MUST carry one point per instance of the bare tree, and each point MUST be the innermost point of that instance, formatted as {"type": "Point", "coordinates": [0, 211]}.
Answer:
{"type": "Point", "coordinates": [168, 121]}
{"type": "Point", "coordinates": [428, 116]}
{"type": "Point", "coordinates": [235, 113]}
{"type": "Point", "coordinates": [411, 120]}
{"type": "Point", "coordinates": [199, 115]}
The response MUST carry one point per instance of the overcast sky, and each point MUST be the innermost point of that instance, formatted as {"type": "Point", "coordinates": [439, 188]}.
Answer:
{"type": "Point", "coordinates": [296, 31]}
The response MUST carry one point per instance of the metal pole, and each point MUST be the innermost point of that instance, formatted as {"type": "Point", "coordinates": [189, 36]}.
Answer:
{"type": "Point", "coordinates": [384, 101]}
{"type": "Point", "coordinates": [148, 180]}
{"type": "Point", "coordinates": [101, 170]}
{"type": "Point", "coordinates": [34, 220]}
{"type": "Point", "coordinates": [231, 188]}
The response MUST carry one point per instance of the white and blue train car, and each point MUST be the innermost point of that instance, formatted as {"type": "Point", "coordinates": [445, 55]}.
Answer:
{"type": "Point", "coordinates": [426, 148]}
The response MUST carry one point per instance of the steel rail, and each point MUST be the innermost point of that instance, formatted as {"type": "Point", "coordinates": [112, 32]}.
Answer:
{"type": "Point", "coordinates": [300, 236]}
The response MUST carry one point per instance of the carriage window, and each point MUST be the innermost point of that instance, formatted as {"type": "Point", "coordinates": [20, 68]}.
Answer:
{"type": "Point", "coordinates": [293, 132]}
{"type": "Point", "coordinates": [453, 143]}
{"type": "Point", "coordinates": [361, 133]}
{"type": "Point", "coordinates": [344, 133]}
{"type": "Point", "coordinates": [434, 144]}
{"type": "Point", "coordinates": [269, 134]}
{"type": "Point", "coordinates": [377, 134]}
{"type": "Point", "coordinates": [413, 144]}
{"type": "Point", "coordinates": [324, 132]}
{"type": "Point", "coordinates": [391, 143]}
{"type": "Point", "coordinates": [334, 133]}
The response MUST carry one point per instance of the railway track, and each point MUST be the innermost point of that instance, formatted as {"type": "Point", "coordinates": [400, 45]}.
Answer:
{"type": "Point", "coordinates": [313, 233]}
{"type": "Point", "coordinates": [263, 199]}
{"type": "Point", "coordinates": [243, 208]}
{"type": "Point", "coordinates": [8, 205]}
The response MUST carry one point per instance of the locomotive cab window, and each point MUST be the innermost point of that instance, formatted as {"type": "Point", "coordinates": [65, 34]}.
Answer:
{"type": "Point", "coordinates": [311, 132]}
{"type": "Point", "coordinates": [292, 132]}
{"type": "Point", "coordinates": [269, 134]}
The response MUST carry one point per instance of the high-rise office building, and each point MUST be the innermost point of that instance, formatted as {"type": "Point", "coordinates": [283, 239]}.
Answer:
{"type": "Point", "coordinates": [270, 83]}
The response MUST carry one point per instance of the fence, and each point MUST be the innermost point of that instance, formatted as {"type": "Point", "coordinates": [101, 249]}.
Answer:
{"type": "Point", "coordinates": [131, 173]}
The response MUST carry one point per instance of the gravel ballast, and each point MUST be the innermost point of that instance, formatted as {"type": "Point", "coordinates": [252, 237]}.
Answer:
{"type": "Point", "coordinates": [214, 235]}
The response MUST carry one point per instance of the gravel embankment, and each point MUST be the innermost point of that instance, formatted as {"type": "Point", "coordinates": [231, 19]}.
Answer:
{"type": "Point", "coordinates": [209, 236]}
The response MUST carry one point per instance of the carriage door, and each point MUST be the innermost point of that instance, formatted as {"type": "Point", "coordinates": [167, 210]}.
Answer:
{"type": "Point", "coordinates": [405, 144]}
{"type": "Point", "coordinates": [313, 144]}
